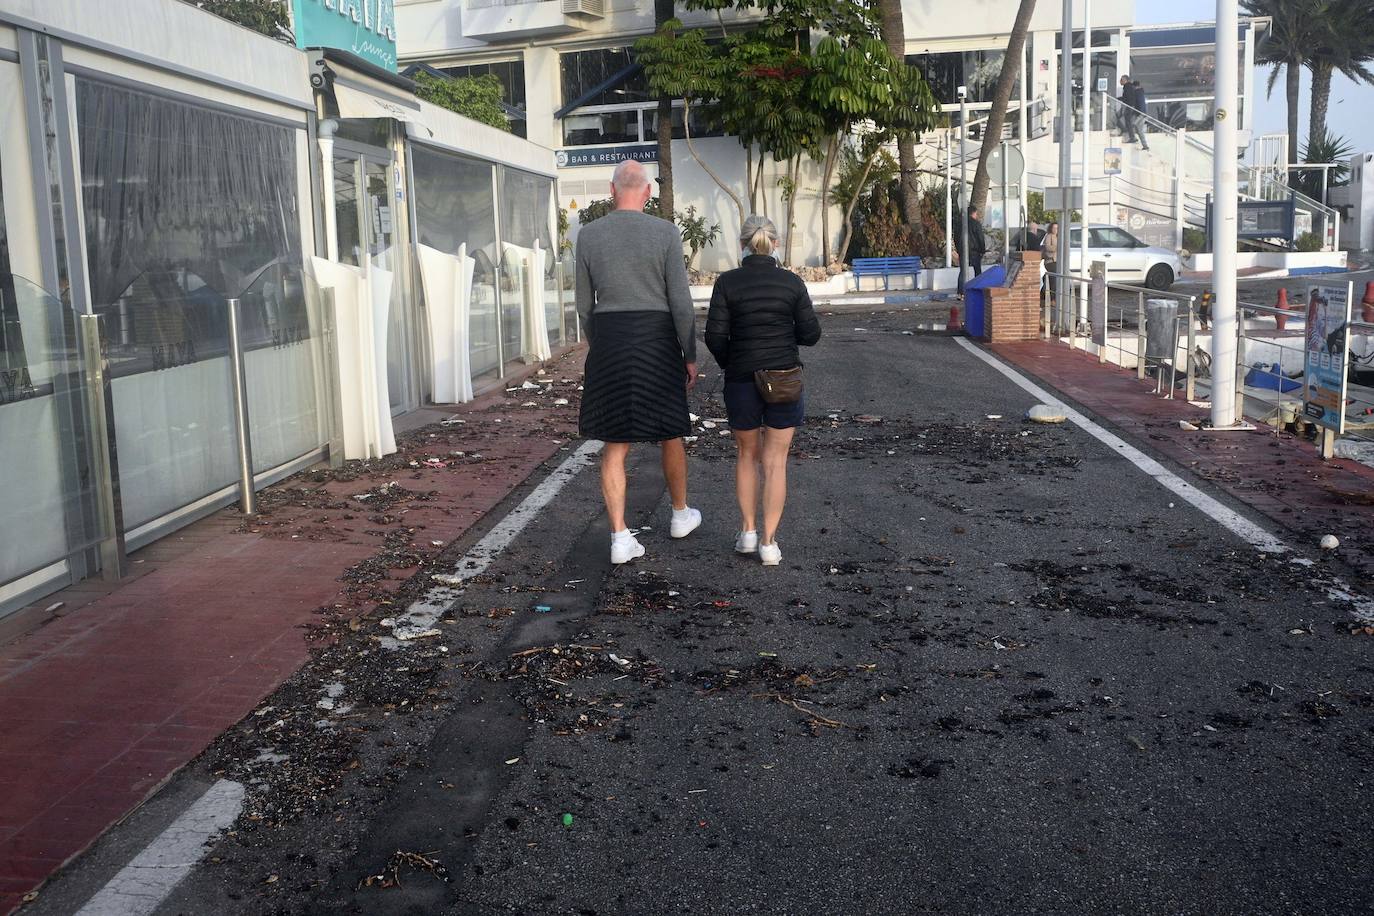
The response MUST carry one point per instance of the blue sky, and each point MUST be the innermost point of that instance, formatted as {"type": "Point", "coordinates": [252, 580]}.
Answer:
{"type": "Point", "coordinates": [1351, 104]}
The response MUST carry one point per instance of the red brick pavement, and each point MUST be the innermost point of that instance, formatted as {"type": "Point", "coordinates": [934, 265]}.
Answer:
{"type": "Point", "coordinates": [1277, 474]}
{"type": "Point", "coordinates": [100, 706]}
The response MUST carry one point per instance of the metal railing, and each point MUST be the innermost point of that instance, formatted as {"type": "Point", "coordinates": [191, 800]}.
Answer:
{"type": "Point", "coordinates": [1123, 330]}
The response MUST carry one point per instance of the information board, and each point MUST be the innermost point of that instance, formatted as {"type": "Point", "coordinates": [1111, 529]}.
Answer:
{"type": "Point", "coordinates": [365, 28]}
{"type": "Point", "coordinates": [1327, 355]}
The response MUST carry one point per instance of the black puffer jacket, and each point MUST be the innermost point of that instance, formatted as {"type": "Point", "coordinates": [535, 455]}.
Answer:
{"type": "Point", "coordinates": [759, 314]}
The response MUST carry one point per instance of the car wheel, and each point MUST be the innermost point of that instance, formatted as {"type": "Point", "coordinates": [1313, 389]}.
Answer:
{"type": "Point", "coordinates": [1160, 277]}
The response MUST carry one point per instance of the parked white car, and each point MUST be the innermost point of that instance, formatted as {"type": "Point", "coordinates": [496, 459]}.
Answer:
{"type": "Point", "coordinates": [1128, 259]}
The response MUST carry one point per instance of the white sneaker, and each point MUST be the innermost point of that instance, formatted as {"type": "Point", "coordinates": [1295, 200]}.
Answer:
{"type": "Point", "coordinates": [684, 522]}
{"type": "Point", "coordinates": [623, 550]}
{"type": "Point", "coordinates": [747, 542]}
{"type": "Point", "coordinates": [770, 554]}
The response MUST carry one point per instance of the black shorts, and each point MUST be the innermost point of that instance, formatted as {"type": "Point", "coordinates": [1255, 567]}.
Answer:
{"type": "Point", "coordinates": [747, 409]}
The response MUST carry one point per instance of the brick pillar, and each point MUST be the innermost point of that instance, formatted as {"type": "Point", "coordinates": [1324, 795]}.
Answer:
{"type": "Point", "coordinates": [1013, 312]}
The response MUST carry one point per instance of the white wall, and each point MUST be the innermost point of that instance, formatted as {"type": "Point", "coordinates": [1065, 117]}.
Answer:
{"type": "Point", "coordinates": [937, 19]}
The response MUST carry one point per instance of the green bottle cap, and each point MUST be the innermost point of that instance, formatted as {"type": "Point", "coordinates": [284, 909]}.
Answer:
{"type": "Point", "coordinates": [567, 820]}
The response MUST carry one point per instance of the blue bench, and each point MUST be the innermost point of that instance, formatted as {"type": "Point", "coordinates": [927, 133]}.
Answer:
{"type": "Point", "coordinates": [886, 267]}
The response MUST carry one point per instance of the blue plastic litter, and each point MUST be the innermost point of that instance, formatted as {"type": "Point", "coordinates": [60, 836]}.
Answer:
{"type": "Point", "coordinates": [974, 303]}
{"type": "Point", "coordinates": [1271, 377]}
{"type": "Point", "coordinates": [542, 608]}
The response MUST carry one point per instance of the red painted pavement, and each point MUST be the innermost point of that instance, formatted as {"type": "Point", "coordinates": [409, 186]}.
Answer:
{"type": "Point", "coordinates": [102, 705]}
{"type": "Point", "coordinates": [1277, 474]}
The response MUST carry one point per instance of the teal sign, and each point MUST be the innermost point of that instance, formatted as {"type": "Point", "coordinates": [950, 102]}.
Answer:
{"type": "Point", "coordinates": [365, 28]}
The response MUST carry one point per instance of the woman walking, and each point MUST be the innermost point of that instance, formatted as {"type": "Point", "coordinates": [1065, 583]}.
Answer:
{"type": "Point", "coordinates": [1049, 258]}
{"type": "Point", "coordinates": [759, 314]}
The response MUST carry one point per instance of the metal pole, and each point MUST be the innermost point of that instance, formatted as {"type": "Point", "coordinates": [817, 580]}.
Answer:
{"type": "Point", "coordinates": [1065, 156]}
{"type": "Point", "coordinates": [1224, 327]}
{"type": "Point", "coordinates": [238, 387]}
{"type": "Point", "coordinates": [963, 187]}
{"type": "Point", "coordinates": [1087, 127]}
{"type": "Point", "coordinates": [113, 562]}
{"type": "Point", "coordinates": [1190, 393]}
{"type": "Point", "coordinates": [1006, 213]}
{"type": "Point", "coordinates": [949, 210]}
{"type": "Point", "coordinates": [1180, 173]}
{"type": "Point", "coordinates": [327, 129]}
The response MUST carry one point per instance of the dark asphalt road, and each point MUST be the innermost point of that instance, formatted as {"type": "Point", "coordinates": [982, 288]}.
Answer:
{"type": "Point", "coordinates": [996, 672]}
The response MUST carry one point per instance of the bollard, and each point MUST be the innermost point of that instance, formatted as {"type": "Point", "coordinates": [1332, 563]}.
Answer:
{"type": "Point", "coordinates": [238, 389]}
{"type": "Point", "coordinates": [954, 323]}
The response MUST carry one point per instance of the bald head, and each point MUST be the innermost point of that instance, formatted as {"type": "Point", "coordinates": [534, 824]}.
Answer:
{"type": "Point", "coordinates": [629, 175]}
{"type": "Point", "coordinates": [630, 185]}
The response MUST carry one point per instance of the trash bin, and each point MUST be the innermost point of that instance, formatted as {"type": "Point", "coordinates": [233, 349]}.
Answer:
{"type": "Point", "coordinates": [975, 303]}
{"type": "Point", "coordinates": [1161, 331]}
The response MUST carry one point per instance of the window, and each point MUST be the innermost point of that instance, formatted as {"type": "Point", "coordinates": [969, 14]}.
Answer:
{"type": "Point", "coordinates": [1102, 38]}
{"type": "Point", "coordinates": [595, 128]}
{"type": "Point", "coordinates": [1112, 238]}
{"type": "Point", "coordinates": [584, 71]}
{"type": "Point", "coordinates": [511, 73]}
{"type": "Point", "coordinates": [948, 70]}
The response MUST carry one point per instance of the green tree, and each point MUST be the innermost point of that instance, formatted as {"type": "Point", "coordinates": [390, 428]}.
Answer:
{"type": "Point", "coordinates": [1346, 44]}
{"type": "Point", "coordinates": [1001, 97]}
{"type": "Point", "coordinates": [893, 29]}
{"type": "Point", "coordinates": [1325, 149]}
{"type": "Point", "coordinates": [1292, 34]}
{"type": "Point", "coordinates": [270, 17]}
{"type": "Point", "coordinates": [663, 14]}
{"type": "Point", "coordinates": [475, 97]}
{"type": "Point", "coordinates": [863, 165]}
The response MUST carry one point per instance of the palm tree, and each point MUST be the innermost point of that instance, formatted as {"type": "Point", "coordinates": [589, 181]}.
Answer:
{"type": "Point", "coordinates": [1001, 96]}
{"type": "Point", "coordinates": [1346, 44]}
{"type": "Point", "coordinates": [893, 30]}
{"type": "Point", "coordinates": [1296, 25]}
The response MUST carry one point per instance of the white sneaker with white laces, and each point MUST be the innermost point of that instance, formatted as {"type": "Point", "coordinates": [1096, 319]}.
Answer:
{"type": "Point", "coordinates": [685, 521]}
{"type": "Point", "coordinates": [747, 542]}
{"type": "Point", "coordinates": [770, 554]}
{"type": "Point", "coordinates": [624, 548]}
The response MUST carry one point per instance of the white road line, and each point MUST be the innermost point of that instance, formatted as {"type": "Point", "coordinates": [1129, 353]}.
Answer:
{"type": "Point", "coordinates": [423, 614]}
{"type": "Point", "coordinates": [144, 883]}
{"type": "Point", "coordinates": [1232, 521]}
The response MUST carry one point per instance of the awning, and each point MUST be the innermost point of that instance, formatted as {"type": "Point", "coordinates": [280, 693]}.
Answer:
{"type": "Point", "coordinates": [355, 103]}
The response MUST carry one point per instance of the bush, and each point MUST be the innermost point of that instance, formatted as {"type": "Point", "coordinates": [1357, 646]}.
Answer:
{"type": "Point", "coordinates": [1308, 241]}
{"type": "Point", "coordinates": [475, 97]}
{"type": "Point", "coordinates": [879, 231]}
{"type": "Point", "coordinates": [1194, 240]}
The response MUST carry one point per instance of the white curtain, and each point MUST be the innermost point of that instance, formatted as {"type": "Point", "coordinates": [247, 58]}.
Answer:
{"type": "Point", "coordinates": [362, 304]}
{"type": "Point", "coordinates": [448, 300]}
{"type": "Point", "coordinates": [536, 334]}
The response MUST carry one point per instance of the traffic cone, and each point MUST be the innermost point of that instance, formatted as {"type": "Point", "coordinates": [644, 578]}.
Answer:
{"type": "Point", "coordinates": [1367, 304]}
{"type": "Point", "coordinates": [954, 323]}
{"type": "Point", "coordinates": [1281, 320]}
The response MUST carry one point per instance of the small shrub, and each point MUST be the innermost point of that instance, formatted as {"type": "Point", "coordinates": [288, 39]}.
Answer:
{"type": "Point", "coordinates": [1308, 241]}
{"type": "Point", "coordinates": [1194, 240]}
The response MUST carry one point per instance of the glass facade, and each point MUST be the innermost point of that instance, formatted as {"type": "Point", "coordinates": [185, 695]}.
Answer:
{"type": "Point", "coordinates": [1178, 83]}
{"type": "Point", "coordinates": [622, 111]}
{"type": "Point", "coordinates": [583, 71]}
{"type": "Point", "coordinates": [185, 207]}
{"type": "Point", "coordinates": [947, 71]}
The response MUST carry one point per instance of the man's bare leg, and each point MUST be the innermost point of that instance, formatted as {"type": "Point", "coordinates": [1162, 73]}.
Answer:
{"type": "Point", "coordinates": [675, 471]}
{"type": "Point", "coordinates": [613, 483]}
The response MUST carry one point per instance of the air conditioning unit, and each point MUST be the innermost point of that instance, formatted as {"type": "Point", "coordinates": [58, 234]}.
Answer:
{"type": "Point", "coordinates": [593, 8]}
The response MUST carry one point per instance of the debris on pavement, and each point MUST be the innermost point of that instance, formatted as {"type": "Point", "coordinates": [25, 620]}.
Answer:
{"type": "Point", "coordinates": [1044, 413]}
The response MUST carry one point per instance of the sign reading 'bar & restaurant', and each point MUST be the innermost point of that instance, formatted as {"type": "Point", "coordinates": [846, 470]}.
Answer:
{"type": "Point", "coordinates": [604, 155]}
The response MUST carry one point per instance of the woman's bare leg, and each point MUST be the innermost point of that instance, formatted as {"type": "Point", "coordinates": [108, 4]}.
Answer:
{"type": "Point", "coordinates": [776, 443]}
{"type": "Point", "coordinates": [747, 477]}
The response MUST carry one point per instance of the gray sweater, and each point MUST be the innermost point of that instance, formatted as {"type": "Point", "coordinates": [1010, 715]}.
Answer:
{"type": "Point", "coordinates": [629, 261]}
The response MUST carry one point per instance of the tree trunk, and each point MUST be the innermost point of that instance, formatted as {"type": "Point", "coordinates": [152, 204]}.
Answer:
{"type": "Point", "coordinates": [1292, 83]}
{"type": "Point", "coordinates": [894, 36]}
{"type": "Point", "coordinates": [1321, 98]}
{"type": "Point", "coordinates": [1006, 80]}
{"type": "Point", "coordinates": [691, 148]}
{"type": "Point", "coordinates": [854, 202]}
{"type": "Point", "coordinates": [663, 11]}
{"type": "Point", "coordinates": [793, 168]}
{"type": "Point", "coordinates": [831, 155]}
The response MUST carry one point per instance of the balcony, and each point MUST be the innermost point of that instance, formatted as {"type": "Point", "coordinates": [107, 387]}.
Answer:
{"type": "Point", "coordinates": [506, 20]}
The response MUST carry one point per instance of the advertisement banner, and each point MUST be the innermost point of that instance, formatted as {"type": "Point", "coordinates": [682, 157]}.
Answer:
{"type": "Point", "coordinates": [1327, 355]}
{"type": "Point", "coordinates": [365, 28]}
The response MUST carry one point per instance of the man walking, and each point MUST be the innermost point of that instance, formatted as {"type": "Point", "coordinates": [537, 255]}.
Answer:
{"type": "Point", "coordinates": [1139, 102]}
{"type": "Point", "coordinates": [1132, 100]}
{"type": "Point", "coordinates": [636, 311]}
